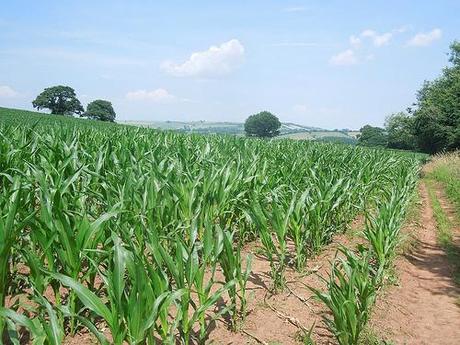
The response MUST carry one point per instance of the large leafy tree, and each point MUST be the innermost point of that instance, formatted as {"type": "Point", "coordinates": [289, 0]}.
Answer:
{"type": "Point", "coordinates": [372, 136]}
{"type": "Point", "coordinates": [436, 122]}
{"type": "Point", "coordinates": [60, 99]}
{"type": "Point", "coordinates": [100, 110]}
{"type": "Point", "coordinates": [263, 125]}
{"type": "Point", "coordinates": [400, 134]}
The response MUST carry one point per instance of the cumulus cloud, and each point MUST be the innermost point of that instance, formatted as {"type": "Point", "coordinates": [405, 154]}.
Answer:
{"type": "Point", "coordinates": [157, 96]}
{"type": "Point", "coordinates": [424, 39]}
{"type": "Point", "coordinates": [355, 41]}
{"type": "Point", "coordinates": [354, 54]}
{"type": "Point", "coordinates": [379, 40]}
{"type": "Point", "coordinates": [7, 92]}
{"type": "Point", "coordinates": [216, 61]}
{"type": "Point", "coordinates": [344, 58]}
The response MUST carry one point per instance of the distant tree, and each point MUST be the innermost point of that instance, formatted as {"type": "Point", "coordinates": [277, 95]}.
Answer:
{"type": "Point", "coordinates": [100, 110]}
{"type": "Point", "coordinates": [372, 136]}
{"type": "Point", "coordinates": [436, 114]}
{"type": "Point", "coordinates": [399, 127]}
{"type": "Point", "coordinates": [263, 125]}
{"type": "Point", "coordinates": [61, 100]}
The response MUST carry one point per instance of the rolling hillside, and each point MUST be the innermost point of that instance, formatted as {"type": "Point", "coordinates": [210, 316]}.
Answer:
{"type": "Point", "coordinates": [288, 130]}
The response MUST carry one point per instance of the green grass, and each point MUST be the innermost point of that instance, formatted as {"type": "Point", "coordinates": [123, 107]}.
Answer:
{"type": "Point", "coordinates": [444, 234]}
{"type": "Point", "coordinates": [444, 173]}
{"type": "Point", "coordinates": [449, 177]}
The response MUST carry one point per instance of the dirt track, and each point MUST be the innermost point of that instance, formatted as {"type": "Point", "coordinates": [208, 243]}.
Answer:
{"type": "Point", "coordinates": [422, 309]}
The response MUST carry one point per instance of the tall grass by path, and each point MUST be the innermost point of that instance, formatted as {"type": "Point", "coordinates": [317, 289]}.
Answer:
{"type": "Point", "coordinates": [443, 172]}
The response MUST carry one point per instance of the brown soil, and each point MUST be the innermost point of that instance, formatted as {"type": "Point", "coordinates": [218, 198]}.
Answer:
{"type": "Point", "coordinates": [281, 318]}
{"type": "Point", "coordinates": [422, 308]}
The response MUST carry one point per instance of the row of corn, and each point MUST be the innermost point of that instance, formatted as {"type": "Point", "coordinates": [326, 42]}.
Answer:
{"type": "Point", "coordinates": [356, 276]}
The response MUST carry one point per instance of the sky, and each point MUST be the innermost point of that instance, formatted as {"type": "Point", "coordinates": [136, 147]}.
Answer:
{"type": "Point", "coordinates": [330, 64]}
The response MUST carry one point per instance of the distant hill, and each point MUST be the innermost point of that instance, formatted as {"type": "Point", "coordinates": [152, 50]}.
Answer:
{"type": "Point", "coordinates": [214, 127]}
{"type": "Point", "coordinates": [288, 129]}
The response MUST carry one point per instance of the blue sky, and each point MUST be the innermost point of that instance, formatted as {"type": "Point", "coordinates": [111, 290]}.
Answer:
{"type": "Point", "coordinates": [332, 64]}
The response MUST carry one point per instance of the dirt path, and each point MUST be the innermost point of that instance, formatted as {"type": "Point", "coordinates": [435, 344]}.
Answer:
{"type": "Point", "coordinates": [422, 309]}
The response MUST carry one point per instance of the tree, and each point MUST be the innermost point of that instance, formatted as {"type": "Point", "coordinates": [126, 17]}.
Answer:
{"type": "Point", "coordinates": [372, 136]}
{"type": "Point", "coordinates": [100, 110]}
{"type": "Point", "coordinates": [263, 125]}
{"type": "Point", "coordinates": [399, 127]}
{"type": "Point", "coordinates": [436, 122]}
{"type": "Point", "coordinates": [60, 100]}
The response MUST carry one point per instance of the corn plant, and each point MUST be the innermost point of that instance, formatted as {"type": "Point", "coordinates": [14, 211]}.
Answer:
{"type": "Point", "coordinates": [382, 228]}
{"type": "Point", "coordinates": [231, 262]}
{"type": "Point", "coordinates": [273, 238]}
{"type": "Point", "coordinates": [184, 266]}
{"type": "Point", "coordinates": [45, 327]}
{"type": "Point", "coordinates": [351, 291]}
{"type": "Point", "coordinates": [10, 228]}
{"type": "Point", "coordinates": [134, 304]}
{"type": "Point", "coordinates": [298, 229]}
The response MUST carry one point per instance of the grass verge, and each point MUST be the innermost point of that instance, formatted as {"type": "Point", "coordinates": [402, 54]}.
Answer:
{"type": "Point", "coordinates": [444, 171]}
{"type": "Point", "coordinates": [444, 228]}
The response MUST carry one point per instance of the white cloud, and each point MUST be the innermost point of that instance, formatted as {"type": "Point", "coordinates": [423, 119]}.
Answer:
{"type": "Point", "coordinates": [7, 92]}
{"type": "Point", "coordinates": [383, 39]}
{"type": "Point", "coordinates": [344, 58]}
{"type": "Point", "coordinates": [157, 96]}
{"type": "Point", "coordinates": [378, 40]}
{"type": "Point", "coordinates": [355, 41]}
{"type": "Point", "coordinates": [368, 33]}
{"type": "Point", "coordinates": [424, 39]}
{"type": "Point", "coordinates": [216, 61]}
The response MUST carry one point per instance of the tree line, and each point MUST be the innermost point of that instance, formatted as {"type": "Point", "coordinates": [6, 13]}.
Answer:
{"type": "Point", "coordinates": [62, 100]}
{"type": "Point", "coordinates": [432, 123]}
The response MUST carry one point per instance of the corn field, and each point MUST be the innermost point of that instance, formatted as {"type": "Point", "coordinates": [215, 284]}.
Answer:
{"type": "Point", "coordinates": [137, 236]}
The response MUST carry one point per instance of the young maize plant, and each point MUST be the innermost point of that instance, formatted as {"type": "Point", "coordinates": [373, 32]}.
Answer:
{"type": "Point", "coordinates": [183, 264]}
{"type": "Point", "coordinates": [355, 278]}
{"type": "Point", "coordinates": [67, 239]}
{"type": "Point", "coordinates": [11, 200]}
{"type": "Point", "coordinates": [135, 299]}
{"type": "Point", "coordinates": [274, 237]}
{"type": "Point", "coordinates": [232, 267]}
{"type": "Point", "coordinates": [298, 229]}
{"type": "Point", "coordinates": [351, 291]}
{"type": "Point", "coordinates": [382, 229]}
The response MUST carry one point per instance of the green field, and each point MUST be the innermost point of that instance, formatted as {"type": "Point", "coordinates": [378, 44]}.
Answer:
{"type": "Point", "coordinates": [287, 130]}
{"type": "Point", "coordinates": [332, 136]}
{"type": "Point", "coordinates": [120, 231]}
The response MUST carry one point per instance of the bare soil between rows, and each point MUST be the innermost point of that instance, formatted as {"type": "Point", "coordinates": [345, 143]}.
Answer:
{"type": "Point", "coordinates": [281, 318]}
